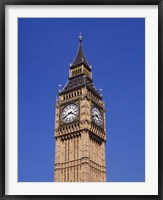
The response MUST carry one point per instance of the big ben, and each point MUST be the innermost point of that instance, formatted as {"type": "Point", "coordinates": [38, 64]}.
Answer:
{"type": "Point", "coordinates": [80, 130]}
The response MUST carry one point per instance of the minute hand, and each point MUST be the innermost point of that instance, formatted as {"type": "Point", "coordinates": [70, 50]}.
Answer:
{"type": "Point", "coordinates": [68, 114]}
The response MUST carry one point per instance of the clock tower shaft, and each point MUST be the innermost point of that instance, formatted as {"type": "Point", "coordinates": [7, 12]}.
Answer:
{"type": "Point", "coordinates": [80, 136]}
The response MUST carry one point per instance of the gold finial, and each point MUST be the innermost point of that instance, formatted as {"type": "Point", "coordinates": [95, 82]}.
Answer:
{"type": "Point", "coordinates": [80, 37]}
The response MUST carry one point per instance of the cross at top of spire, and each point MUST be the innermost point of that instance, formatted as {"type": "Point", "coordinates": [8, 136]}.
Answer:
{"type": "Point", "coordinates": [80, 37]}
{"type": "Point", "coordinates": [80, 57]}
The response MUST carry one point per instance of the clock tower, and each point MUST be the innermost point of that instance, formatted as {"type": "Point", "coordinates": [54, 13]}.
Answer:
{"type": "Point", "coordinates": [80, 132]}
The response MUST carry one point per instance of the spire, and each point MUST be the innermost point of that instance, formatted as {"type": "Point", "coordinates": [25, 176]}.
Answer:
{"type": "Point", "coordinates": [80, 57]}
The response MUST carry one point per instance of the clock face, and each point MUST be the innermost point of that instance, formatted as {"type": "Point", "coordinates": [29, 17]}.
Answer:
{"type": "Point", "coordinates": [69, 113]}
{"type": "Point", "coordinates": [96, 116]}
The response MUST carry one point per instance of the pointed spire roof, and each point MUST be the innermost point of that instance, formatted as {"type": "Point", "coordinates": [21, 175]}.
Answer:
{"type": "Point", "coordinates": [80, 57]}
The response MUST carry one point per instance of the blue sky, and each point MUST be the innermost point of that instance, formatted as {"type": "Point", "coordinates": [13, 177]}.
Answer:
{"type": "Point", "coordinates": [116, 50]}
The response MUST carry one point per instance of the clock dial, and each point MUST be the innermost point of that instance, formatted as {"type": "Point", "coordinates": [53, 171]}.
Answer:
{"type": "Point", "coordinates": [96, 116]}
{"type": "Point", "coordinates": [69, 113]}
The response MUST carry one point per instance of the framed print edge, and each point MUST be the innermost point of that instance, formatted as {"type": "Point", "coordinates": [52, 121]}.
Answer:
{"type": "Point", "coordinates": [2, 100]}
{"type": "Point", "coordinates": [2, 138]}
{"type": "Point", "coordinates": [160, 98]}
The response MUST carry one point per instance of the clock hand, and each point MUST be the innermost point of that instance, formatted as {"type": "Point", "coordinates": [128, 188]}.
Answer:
{"type": "Point", "coordinates": [96, 116]}
{"type": "Point", "coordinates": [68, 114]}
{"type": "Point", "coordinates": [64, 117]}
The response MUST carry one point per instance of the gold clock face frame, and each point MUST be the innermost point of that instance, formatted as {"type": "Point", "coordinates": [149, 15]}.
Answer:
{"type": "Point", "coordinates": [69, 113]}
{"type": "Point", "coordinates": [97, 116]}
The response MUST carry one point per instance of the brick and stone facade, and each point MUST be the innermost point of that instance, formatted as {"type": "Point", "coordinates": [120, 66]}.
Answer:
{"type": "Point", "coordinates": [80, 144]}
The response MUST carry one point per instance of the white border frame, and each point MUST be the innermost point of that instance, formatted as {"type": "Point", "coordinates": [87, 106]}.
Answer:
{"type": "Point", "coordinates": [150, 186]}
